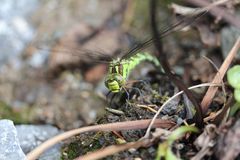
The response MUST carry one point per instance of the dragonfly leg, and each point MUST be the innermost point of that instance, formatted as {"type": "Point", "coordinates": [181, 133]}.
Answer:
{"type": "Point", "coordinates": [138, 90]}
{"type": "Point", "coordinates": [128, 96]}
{"type": "Point", "coordinates": [110, 96]}
{"type": "Point", "coordinates": [144, 82]}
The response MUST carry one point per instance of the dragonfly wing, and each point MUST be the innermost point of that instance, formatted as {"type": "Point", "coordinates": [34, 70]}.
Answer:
{"type": "Point", "coordinates": [164, 32]}
{"type": "Point", "coordinates": [69, 47]}
{"type": "Point", "coordinates": [63, 53]}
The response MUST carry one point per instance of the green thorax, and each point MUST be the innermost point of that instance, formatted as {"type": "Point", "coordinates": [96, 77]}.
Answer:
{"type": "Point", "coordinates": [119, 70]}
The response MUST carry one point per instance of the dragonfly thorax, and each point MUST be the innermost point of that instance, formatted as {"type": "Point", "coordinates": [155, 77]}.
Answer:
{"type": "Point", "coordinates": [115, 78]}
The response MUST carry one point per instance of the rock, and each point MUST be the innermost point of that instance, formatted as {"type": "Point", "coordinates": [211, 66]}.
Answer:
{"type": "Point", "coordinates": [229, 36]}
{"type": "Point", "coordinates": [15, 30]}
{"type": "Point", "coordinates": [31, 136]}
{"type": "Point", "coordinates": [9, 144]}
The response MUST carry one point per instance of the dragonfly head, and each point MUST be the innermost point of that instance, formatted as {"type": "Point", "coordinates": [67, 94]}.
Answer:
{"type": "Point", "coordinates": [114, 82]}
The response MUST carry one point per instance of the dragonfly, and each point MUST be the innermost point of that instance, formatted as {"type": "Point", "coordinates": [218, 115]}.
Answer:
{"type": "Point", "coordinates": [120, 68]}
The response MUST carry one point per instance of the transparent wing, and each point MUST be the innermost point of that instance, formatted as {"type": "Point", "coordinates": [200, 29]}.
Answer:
{"type": "Point", "coordinates": [165, 32]}
{"type": "Point", "coordinates": [80, 53]}
{"type": "Point", "coordinates": [102, 57]}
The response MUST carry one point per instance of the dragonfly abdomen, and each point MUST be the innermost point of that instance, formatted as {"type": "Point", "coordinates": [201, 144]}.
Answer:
{"type": "Point", "coordinates": [138, 58]}
{"type": "Point", "coordinates": [119, 70]}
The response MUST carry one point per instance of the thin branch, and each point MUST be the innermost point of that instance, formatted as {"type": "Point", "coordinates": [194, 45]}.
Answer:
{"type": "Point", "coordinates": [207, 99]}
{"type": "Point", "coordinates": [222, 82]}
{"type": "Point", "coordinates": [110, 150]}
{"type": "Point", "coordinates": [129, 125]}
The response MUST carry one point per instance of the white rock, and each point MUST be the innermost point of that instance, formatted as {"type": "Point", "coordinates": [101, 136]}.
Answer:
{"type": "Point", "coordinates": [9, 144]}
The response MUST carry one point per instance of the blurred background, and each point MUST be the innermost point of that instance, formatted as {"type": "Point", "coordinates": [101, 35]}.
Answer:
{"type": "Point", "coordinates": [47, 75]}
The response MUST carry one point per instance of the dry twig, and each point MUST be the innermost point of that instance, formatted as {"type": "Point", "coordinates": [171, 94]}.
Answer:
{"type": "Point", "coordinates": [138, 124]}
{"type": "Point", "coordinates": [207, 99]}
{"type": "Point", "coordinates": [112, 150]}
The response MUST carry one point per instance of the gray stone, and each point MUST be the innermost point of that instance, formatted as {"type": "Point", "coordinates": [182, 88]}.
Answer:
{"type": "Point", "coordinates": [229, 36]}
{"type": "Point", "coordinates": [31, 136]}
{"type": "Point", "coordinates": [9, 144]}
{"type": "Point", "coordinates": [15, 30]}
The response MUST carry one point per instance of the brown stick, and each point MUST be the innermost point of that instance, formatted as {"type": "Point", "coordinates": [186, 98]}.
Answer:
{"type": "Point", "coordinates": [138, 124]}
{"type": "Point", "coordinates": [112, 150]}
{"type": "Point", "coordinates": [207, 99]}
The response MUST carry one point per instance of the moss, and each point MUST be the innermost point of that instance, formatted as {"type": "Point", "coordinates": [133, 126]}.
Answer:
{"type": "Point", "coordinates": [71, 152]}
{"type": "Point", "coordinates": [86, 143]}
{"type": "Point", "coordinates": [18, 116]}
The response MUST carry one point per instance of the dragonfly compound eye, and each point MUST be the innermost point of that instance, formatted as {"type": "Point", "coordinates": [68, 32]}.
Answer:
{"type": "Point", "coordinates": [114, 82]}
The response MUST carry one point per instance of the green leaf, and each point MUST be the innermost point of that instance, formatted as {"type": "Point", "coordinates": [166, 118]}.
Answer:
{"type": "Point", "coordinates": [165, 148]}
{"type": "Point", "coordinates": [179, 132]}
{"type": "Point", "coordinates": [170, 155]}
{"type": "Point", "coordinates": [233, 76]}
{"type": "Point", "coordinates": [237, 95]}
{"type": "Point", "coordinates": [162, 150]}
{"type": "Point", "coordinates": [234, 109]}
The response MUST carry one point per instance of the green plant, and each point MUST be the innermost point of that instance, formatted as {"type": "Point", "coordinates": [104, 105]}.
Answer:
{"type": "Point", "coordinates": [165, 148]}
{"type": "Point", "coordinates": [233, 77]}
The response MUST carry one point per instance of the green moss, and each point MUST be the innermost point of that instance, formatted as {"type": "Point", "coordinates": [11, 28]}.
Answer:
{"type": "Point", "coordinates": [72, 151]}
{"type": "Point", "coordinates": [86, 143]}
{"type": "Point", "coordinates": [17, 116]}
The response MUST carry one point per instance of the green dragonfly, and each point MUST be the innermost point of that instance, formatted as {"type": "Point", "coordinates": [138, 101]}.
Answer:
{"type": "Point", "coordinates": [119, 69]}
